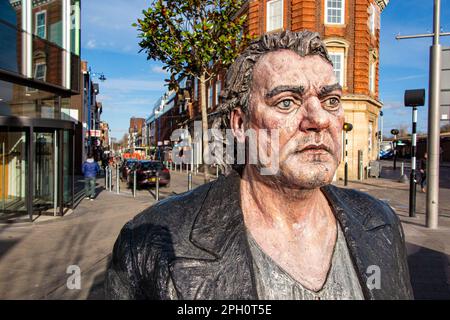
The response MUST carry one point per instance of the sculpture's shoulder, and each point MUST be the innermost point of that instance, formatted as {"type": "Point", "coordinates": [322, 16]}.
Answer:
{"type": "Point", "coordinates": [363, 205]}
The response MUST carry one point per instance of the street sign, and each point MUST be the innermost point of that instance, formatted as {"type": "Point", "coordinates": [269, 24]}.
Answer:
{"type": "Point", "coordinates": [445, 84]}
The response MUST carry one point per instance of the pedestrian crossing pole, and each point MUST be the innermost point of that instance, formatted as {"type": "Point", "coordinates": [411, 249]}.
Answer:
{"type": "Point", "coordinates": [412, 185]}
{"type": "Point", "coordinates": [413, 98]}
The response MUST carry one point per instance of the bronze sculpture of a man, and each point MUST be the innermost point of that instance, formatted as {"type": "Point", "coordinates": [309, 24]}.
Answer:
{"type": "Point", "coordinates": [286, 235]}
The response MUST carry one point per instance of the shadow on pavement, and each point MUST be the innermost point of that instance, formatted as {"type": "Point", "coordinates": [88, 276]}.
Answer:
{"type": "Point", "coordinates": [429, 273]}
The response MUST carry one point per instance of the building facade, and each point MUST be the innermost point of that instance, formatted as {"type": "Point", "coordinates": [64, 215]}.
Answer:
{"type": "Point", "coordinates": [39, 72]}
{"type": "Point", "coordinates": [135, 133]}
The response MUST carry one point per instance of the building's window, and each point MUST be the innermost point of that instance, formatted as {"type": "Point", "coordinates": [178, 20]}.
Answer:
{"type": "Point", "coordinates": [274, 15]}
{"type": "Point", "coordinates": [218, 89]}
{"type": "Point", "coordinates": [40, 71]}
{"type": "Point", "coordinates": [338, 65]}
{"type": "Point", "coordinates": [334, 11]}
{"type": "Point", "coordinates": [41, 24]}
{"type": "Point", "coordinates": [195, 89]}
{"type": "Point", "coordinates": [372, 70]}
{"type": "Point", "coordinates": [372, 19]}
{"type": "Point", "coordinates": [211, 97]}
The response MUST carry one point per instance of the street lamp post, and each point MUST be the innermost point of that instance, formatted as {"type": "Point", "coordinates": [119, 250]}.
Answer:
{"type": "Point", "coordinates": [395, 132]}
{"type": "Point", "coordinates": [102, 78]}
{"type": "Point", "coordinates": [347, 128]}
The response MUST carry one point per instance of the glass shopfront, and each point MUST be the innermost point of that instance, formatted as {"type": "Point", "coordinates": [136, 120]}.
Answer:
{"type": "Point", "coordinates": [13, 171]}
{"type": "Point", "coordinates": [47, 175]}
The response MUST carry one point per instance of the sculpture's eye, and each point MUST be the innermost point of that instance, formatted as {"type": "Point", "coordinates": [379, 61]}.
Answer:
{"type": "Point", "coordinates": [285, 104]}
{"type": "Point", "coordinates": [332, 103]}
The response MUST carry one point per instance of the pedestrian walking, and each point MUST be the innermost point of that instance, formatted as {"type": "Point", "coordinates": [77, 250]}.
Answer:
{"type": "Point", "coordinates": [423, 172]}
{"type": "Point", "coordinates": [90, 170]}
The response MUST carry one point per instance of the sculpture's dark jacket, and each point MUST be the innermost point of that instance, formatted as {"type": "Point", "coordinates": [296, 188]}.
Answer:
{"type": "Point", "coordinates": [193, 246]}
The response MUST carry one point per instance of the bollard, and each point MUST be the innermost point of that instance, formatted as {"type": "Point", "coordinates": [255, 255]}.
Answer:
{"type": "Point", "coordinates": [134, 183]}
{"type": "Point", "coordinates": [110, 179]}
{"type": "Point", "coordinates": [157, 186]}
{"type": "Point", "coordinates": [189, 181]}
{"type": "Point", "coordinates": [402, 169]}
{"type": "Point", "coordinates": [106, 178]}
{"type": "Point", "coordinates": [117, 181]}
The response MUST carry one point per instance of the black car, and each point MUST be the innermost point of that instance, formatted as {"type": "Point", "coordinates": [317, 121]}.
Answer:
{"type": "Point", "coordinates": [146, 174]}
{"type": "Point", "coordinates": [126, 168]}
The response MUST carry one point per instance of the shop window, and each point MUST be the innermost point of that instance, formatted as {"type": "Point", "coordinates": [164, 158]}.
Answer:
{"type": "Point", "coordinates": [334, 11]}
{"type": "Point", "coordinates": [274, 15]}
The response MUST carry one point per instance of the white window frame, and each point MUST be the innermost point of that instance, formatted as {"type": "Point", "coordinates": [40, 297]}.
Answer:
{"type": "Point", "coordinates": [342, 14]}
{"type": "Point", "coordinates": [36, 69]}
{"type": "Point", "coordinates": [195, 88]}
{"type": "Point", "coordinates": [269, 26]}
{"type": "Point", "coordinates": [42, 12]}
{"type": "Point", "coordinates": [372, 19]}
{"type": "Point", "coordinates": [210, 96]}
{"type": "Point", "coordinates": [218, 89]}
{"type": "Point", "coordinates": [342, 69]}
{"type": "Point", "coordinates": [372, 76]}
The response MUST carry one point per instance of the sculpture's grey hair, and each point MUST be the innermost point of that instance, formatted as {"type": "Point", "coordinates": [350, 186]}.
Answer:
{"type": "Point", "coordinates": [238, 83]}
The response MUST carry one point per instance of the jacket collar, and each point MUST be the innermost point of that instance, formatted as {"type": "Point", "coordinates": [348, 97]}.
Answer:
{"type": "Point", "coordinates": [220, 215]}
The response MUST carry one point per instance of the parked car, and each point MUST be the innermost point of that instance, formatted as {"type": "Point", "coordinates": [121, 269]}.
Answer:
{"type": "Point", "coordinates": [146, 174]}
{"type": "Point", "coordinates": [126, 168]}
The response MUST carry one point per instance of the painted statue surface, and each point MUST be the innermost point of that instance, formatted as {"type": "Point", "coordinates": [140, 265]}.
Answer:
{"type": "Point", "coordinates": [273, 226]}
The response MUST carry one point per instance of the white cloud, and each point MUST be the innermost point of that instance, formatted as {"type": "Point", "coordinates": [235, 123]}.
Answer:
{"type": "Point", "coordinates": [91, 44]}
{"type": "Point", "coordinates": [158, 69]}
{"type": "Point", "coordinates": [392, 105]}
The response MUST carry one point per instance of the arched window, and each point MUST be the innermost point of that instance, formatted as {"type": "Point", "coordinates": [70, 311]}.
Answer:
{"type": "Point", "coordinates": [338, 52]}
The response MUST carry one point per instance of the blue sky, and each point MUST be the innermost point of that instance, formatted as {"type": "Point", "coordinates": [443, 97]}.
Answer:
{"type": "Point", "coordinates": [110, 45]}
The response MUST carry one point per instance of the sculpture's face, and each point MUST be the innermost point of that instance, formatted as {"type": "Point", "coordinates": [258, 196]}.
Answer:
{"type": "Point", "coordinates": [300, 97]}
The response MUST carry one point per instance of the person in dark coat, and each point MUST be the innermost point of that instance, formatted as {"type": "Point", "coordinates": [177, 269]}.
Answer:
{"type": "Point", "coordinates": [90, 170]}
{"type": "Point", "coordinates": [272, 226]}
{"type": "Point", "coordinates": [423, 172]}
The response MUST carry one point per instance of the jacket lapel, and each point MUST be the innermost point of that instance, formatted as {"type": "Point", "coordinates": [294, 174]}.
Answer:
{"type": "Point", "coordinates": [225, 271]}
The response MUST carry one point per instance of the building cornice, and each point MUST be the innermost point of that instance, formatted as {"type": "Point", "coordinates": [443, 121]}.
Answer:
{"type": "Point", "coordinates": [382, 4]}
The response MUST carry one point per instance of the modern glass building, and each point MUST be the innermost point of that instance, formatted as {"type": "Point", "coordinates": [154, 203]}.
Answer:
{"type": "Point", "coordinates": [39, 72]}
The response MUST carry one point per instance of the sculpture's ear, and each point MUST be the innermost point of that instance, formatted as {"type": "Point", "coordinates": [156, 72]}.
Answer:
{"type": "Point", "coordinates": [237, 122]}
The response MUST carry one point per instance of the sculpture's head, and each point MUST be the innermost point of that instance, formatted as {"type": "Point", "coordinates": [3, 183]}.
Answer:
{"type": "Point", "coordinates": [285, 83]}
